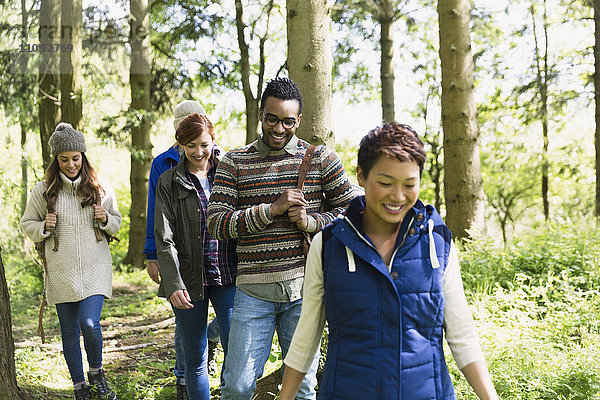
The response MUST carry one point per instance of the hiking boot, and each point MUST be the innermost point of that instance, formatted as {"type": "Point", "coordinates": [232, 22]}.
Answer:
{"type": "Point", "coordinates": [211, 362]}
{"type": "Point", "coordinates": [100, 387]}
{"type": "Point", "coordinates": [83, 393]}
{"type": "Point", "coordinates": [182, 392]}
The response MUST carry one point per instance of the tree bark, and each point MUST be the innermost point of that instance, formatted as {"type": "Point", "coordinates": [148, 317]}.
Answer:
{"type": "Point", "coordinates": [22, 112]}
{"type": "Point", "coordinates": [309, 63]}
{"type": "Point", "coordinates": [386, 22]}
{"type": "Point", "coordinates": [70, 63]}
{"type": "Point", "coordinates": [252, 101]}
{"type": "Point", "coordinates": [49, 78]}
{"type": "Point", "coordinates": [597, 99]}
{"type": "Point", "coordinates": [8, 375]}
{"type": "Point", "coordinates": [462, 177]}
{"type": "Point", "coordinates": [541, 64]}
{"type": "Point", "coordinates": [141, 151]}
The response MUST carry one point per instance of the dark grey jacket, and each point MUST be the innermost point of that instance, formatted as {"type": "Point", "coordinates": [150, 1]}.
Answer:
{"type": "Point", "coordinates": [178, 230]}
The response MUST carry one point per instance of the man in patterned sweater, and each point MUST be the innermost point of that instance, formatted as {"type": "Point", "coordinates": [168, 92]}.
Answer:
{"type": "Point", "coordinates": [255, 201]}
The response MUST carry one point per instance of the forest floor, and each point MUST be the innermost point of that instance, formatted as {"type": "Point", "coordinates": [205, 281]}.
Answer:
{"type": "Point", "coordinates": [138, 347]}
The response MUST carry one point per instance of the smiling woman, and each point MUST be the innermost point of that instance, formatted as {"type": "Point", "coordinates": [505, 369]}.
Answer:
{"type": "Point", "coordinates": [74, 205]}
{"type": "Point", "coordinates": [385, 277]}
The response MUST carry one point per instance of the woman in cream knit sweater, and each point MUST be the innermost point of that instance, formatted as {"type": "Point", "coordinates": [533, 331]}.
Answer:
{"type": "Point", "coordinates": [77, 211]}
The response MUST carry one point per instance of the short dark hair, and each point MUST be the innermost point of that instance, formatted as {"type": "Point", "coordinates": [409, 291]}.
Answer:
{"type": "Point", "coordinates": [283, 89]}
{"type": "Point", "coordinates": [393, 140]}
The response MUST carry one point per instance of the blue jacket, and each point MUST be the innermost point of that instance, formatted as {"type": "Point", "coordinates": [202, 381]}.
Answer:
{"type": "Point", "coordinates": [385, 328]}
{"type": "Point", "coordinates": [160, 164]}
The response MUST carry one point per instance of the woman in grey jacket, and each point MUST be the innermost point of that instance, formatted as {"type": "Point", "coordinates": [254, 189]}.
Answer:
{"type": "Point", "coordinates": [79, 211]}
{"type": "Point", "coordinates": [194, 266]}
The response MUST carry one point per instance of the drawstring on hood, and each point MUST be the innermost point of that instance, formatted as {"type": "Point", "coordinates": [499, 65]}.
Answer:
{"type": "Point", "coordinates": [351, 262]}
{"type": "Point", "coordinates": [435, 263]}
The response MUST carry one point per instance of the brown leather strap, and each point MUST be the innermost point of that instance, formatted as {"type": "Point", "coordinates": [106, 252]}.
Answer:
{"type": "Point", "coordinates": [40, 330]}
{"type": "Point", "coordinates": [305, 165]}
{"type": "Point", "coordinates": [42, 252]}
{"type": "Point", "coordinates": [97, 233]}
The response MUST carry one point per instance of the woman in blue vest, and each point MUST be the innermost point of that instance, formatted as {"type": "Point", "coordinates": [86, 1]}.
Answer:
{"type": "Point", "coordinates": [386, 278]}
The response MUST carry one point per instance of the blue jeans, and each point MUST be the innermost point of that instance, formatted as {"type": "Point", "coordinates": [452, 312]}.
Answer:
{"type": "Point", "coordinates": [76, 318]}
{"type": "Point", "coordinates": [213, 334]}
{"type": "Point", "coordinates": [253, 325]}
{"type": "Point", "coordinates": [192, 324]}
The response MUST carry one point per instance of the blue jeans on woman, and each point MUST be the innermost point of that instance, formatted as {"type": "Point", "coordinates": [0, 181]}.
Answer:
{"type": "Point", "coordinates": [253, 325]}
{"type": "Point", "coordinates": [213, 334]}
{"type": "Point", "coordinates": [192, 325]}
{"type": "Point", "coordinates": [76, 318]}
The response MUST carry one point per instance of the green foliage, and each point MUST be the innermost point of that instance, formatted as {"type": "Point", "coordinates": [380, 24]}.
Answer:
{"type": "Point", "coordinates": [537, 306]}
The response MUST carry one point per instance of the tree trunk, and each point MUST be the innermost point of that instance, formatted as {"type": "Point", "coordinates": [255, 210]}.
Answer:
{"type": "Point", "coordinates": [386, 22]}
{"type": "Point", "coordinates": [309, 63]}
{"type": "Point", "coordinates": [8, 375]}
{"type": "Point", "coordinates": [22, 112]}
{"type": "Point", "coordinates": [251, 100]}
{"type": "Point", "coordinates": [597, 98]}
{"type": "Point", "coordinates": [462, 177]}
{"type": "Point", "coordinates": [139, 77]}
{"type": "Point", "coordinates": [70, 63]}
{"type": "Point", "coordinates": [49, 79]}
{"type": "Point", "coordinates": [541, 61]}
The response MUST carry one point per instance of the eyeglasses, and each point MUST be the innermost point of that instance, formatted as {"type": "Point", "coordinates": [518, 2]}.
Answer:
{"type": "Point", "coordinates": [273, 120]}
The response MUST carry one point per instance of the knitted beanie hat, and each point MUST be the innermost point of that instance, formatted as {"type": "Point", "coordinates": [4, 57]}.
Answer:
{"type": "Point", "coordinates": [66, 138]}
{"type": "Point", "coordinates": [185, 108]}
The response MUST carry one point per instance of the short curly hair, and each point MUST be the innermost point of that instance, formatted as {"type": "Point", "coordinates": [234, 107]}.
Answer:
{"type": "Point", "coordinates": [283, 89]}
{"type": "Point", "coordinates": [391, 139]}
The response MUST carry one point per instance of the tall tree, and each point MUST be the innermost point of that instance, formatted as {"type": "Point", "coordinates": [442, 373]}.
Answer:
{"type": "Point", "coordinates": [541, 70]}
{"type": "Point", "coordinates": [8, 375]}
{"type": "Point", "coordinates": [462, 179]}
{"type": "Point", "coordinates": [597, 98]}
{"type": "Point", "coordinates": [70, 62]}
{"type": "Point", "coordinates": [252, 100]}
{"type": "Point", "coordinates": [24, 86]}
{"type": "Point", "coordinates": [384, 13]}
{"type": "Point", "coordinates": [309, 63]}
{"type": "Point", "coordinates": [141, 147]}
{"type": "Point", "coordinates": [49, 78]}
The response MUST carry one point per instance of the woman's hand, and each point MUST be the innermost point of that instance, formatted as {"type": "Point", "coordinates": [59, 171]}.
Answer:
{"type": "Point", "coordinates": [153, 270]}
{"type": "Point", "coordinates": [50, 221]}
{"type": "Point", "coordinates": [100, 214]}
{"type": "Point", "coordinates": [181, 299]}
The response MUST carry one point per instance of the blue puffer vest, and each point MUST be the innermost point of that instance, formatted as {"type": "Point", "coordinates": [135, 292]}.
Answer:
{"type": "Point", "coordinates": [385, 328]}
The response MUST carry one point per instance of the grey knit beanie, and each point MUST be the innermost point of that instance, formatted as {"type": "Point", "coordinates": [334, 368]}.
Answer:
{"type": "Point", "coordinates": [185, 108]}
{"type": "Point", "coordinates": [66, 138]}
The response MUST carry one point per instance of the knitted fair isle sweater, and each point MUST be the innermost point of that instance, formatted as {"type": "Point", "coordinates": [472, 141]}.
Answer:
{"type": "Point", "coordinates": [270, 248]}
{"type": "Point", "coordinates": [82, 266]}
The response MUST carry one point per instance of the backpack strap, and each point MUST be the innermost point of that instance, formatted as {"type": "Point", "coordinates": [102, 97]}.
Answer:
{"type": "Point", "coordinates": [305, 165]}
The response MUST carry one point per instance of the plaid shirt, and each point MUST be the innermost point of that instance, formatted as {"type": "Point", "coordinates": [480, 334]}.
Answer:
{"type": "Point", "coordinates": [220, 258]}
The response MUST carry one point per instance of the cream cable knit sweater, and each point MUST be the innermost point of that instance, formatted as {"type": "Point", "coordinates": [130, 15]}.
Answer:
{"type": "Point", "coordinates": [82, 266]}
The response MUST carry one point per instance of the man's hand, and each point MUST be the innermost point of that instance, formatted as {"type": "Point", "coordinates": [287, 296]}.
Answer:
{"type": "Point", "coordinates": [289, 198]}
{"type": "Point", "coordinates": [153, 270]}
{"type": "Point", "coordinates": [297, 214]}
{"type": "Point", "coordinates": [181, 299]}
